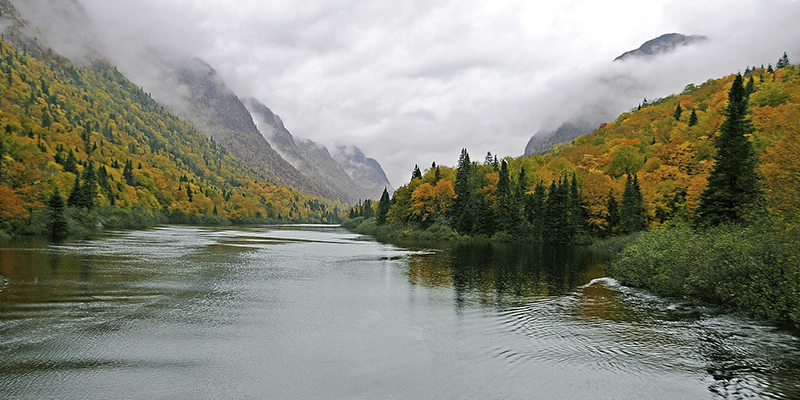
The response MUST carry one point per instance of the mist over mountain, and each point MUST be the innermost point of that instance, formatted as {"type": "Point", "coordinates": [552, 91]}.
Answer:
{"type": "Point", "coordinates": [367, 171]}
{"type": "Point", "coordinates": [192, 89]}
{"type": "Point", "coordinates": [315, 161]}
{"type": "Point", "coordinates": [660, 45]}
{"type": "Point", "coordinates": [608, 88]}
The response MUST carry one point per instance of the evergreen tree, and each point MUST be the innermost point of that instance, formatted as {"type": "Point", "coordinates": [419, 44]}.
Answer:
{"type": "Point", "coordinates": [127, 173]}
{"type": "Point", "coordinates": [769, 68]}
{"type": "Point", "coordinates": [485, 220]}
{"type": "Point", "coordinates": [509, 213]}
{"type": "Point", "coordinates": [416, 174]}
{"type": "Point", "coordinates": [733, 188]}
{"type": "Point", "coordinates": [751, 87]}
{"type": "Point", "coordinates": [783, 62]}
{"type": "Point", "coordinates": [613, 214]}
{"type": "Point", "coordinates": [71, 163]}
{"type": "Point", "coordinates": [57, 222]}
{"type": "Point", "coordinates": [464, 203]}
{"type": "Point", "coordinates": [383, 207]}
{"type": "Point", "coordinates": [576, 206]}
{"type": "Point", "coordinates": [678, 112]}
{"type": "Point", "coordinates": [632, 216]}
{"type": "Point", "coordinates": [556, 224]}
{"type": "Point", "coordinates": [693, 118]}
{"type": "Point", "coordinates": [89, 189]}
{"type": "Point", "coordinates": [76, 195]}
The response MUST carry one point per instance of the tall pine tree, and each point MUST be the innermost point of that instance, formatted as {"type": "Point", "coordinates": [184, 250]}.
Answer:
{"type": "Point", "coordinates": [463, 205]}
{"type": "Point", "coordinates": [383, 207]}
{"type": "Point", "coordinates": [733, 187]}
{"type": "Point", "coordinates": [632, 217]}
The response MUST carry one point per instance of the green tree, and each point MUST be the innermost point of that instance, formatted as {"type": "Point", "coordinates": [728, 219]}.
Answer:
{"type": "Point", "coordinates": [417, 174]}
{"type": "Point", "coordinates": [89, 189]}
{"type": "Point", "coordinates": [693, 118]}
{"type": "Point", "coordinates": [127, 173]}
{"type": "Point", "coordinates": [632, 216]}
{"type": "Point", "coordinates": [678, 112]}
{"type": "Point", "coordinates": [733, 187]}
{"type": "Point", "coordinates": [383, 207]}
{"type": "Point", "coordinates": [613, 214]}
{"type": "Point", "coordinates": [783, 62]}
{"type": "Point", "coordinates": [76, 195]}
{"type": "Point", "coordinates": [463, 205]}
{"type": "Point", "coordinates": [71, 163]}
{"type": "Point", "coordinates": [57, 222]}
{"type": "Point", "coordinates": [751, 86]}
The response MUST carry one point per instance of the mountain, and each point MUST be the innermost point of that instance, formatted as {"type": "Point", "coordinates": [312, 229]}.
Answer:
{"type": "Point", "coordinates": [661, 45]}
{"type": "Point", "coordinates": [611, 86]}
{"type": "Point", "coordinates": [544, 141]}
{"type": "Point", "coordinates": [312, 159]}
{"type": "Point", "coordinates": [366, 171]}
{"type": "Point", "coordinates": [93, 137]}
{"type": "Point", "coordinates": [193, 90]}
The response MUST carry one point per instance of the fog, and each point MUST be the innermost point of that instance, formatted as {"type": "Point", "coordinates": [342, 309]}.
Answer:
{"type": "Point", "coordinates": [413, 82]}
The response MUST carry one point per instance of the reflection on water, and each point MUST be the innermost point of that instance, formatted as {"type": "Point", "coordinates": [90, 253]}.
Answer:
{"type": "Point", "coordinates": [311, 312]}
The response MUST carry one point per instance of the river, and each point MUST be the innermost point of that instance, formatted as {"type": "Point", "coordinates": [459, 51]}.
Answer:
{"type": "Point", "coordinates": [321, 313]}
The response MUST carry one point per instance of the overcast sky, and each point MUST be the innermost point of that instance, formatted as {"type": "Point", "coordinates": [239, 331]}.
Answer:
{"type": "Point", "coordinates": [414, 81]}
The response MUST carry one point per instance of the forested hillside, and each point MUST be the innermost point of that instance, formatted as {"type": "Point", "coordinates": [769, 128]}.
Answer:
{"type": "Point", "coordinates": [644, 169]}
{"type": "Point", "coordinates": [91, 136]}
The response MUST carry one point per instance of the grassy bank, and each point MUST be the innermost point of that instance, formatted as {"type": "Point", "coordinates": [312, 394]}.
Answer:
{"type": "Point", "coordinates": [754, 269]}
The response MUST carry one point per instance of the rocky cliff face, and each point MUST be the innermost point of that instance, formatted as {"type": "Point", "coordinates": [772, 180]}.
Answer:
{"type": "Point", "coordinates": [366, 171]}
{"type": "Point", "coordinates": [661, 45]}
{"type": "Point", "coordinates": [312, 159]}
{"type": "Point", "coordinates": [543, 141]}
{"type": "Point", "coordinates": [195, 92]}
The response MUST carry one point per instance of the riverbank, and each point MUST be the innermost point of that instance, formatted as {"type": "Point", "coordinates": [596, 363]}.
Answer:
{"type": "Point", "coordinates": [753, 269]}
{"type": "Point", "coordinates": [81, 223]}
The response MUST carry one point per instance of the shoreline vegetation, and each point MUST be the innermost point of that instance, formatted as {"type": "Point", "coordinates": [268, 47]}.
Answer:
{"type": "Point", "coordinates": [729, 237]}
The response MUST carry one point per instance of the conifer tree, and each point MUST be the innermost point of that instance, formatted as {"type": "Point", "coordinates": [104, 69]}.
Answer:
{"type": "Point", "coordinates": [678, 112]}
{"type": "Point", "coordinates": [733, 188]}
{"type": "Point", "coordinates": [463, 205]}
{"type": "Point", "coordinates": [75, 196]}
{"type": "Point", "coordinates": [57, 222]}
{"type": "Point", "coordinates": [89, 189]}
{"type": "Point", "coordinates": [416, 174]}
{"type": "Point", "coordinates": [632, 216]}
{"type": "Point", "coordinates": [71, 164]}
{"type": "Point", "coordinates": [613, 214]}
{"type": "Point", "coordinates": [693, 118]}
{"type": "Point", "coordinates": [127, 173]}
{"type": "Point", "coordinates": [783, 62]}
{"type": "Point", "coordinates": [383, 207]}
{"type": "Point", "coordinates": [576, 206]}
{"type": "Point", "coordinates": [751, 87]}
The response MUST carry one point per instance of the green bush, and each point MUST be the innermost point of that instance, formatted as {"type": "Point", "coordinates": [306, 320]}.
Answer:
{"type": "Point", "coordinates": [753, 268]}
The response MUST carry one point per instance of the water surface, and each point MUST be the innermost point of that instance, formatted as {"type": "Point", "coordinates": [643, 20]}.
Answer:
{"type": "Point", "coordinates": [320, 313]}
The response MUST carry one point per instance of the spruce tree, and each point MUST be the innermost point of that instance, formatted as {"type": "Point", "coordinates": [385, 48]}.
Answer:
{"type": "Point", "coordinates": [463, 205]}
{"type": "Point", "coordinates": [416, 174]}
{"type": "Point", "coordinates": [693, 118]}
{"type": "Point", "coordinates": [751, 87]}
{"type": "Point", "coordinates": [75, 196]}
{"type": "Point", "coordinates": [733, 188]}
{"type": "Point", "coordinates": [383, 207]}
{"type": "Point", "coordinates": [632, 216]}
{"type": "Point", "coordinates": [678, 112]}
{"type": "Point", "coordinates": [57, 222]}
{"type": "Point", "coordinates": [127, 173]}
{"type": "Point", "coordinates": [613, 214]}
{"type": "Point", "coordinates": [783, 62]}
{"type": "Point", "coordinates": [89, 189]}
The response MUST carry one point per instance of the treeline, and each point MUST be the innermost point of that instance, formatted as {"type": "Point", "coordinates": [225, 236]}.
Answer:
{"type": "Point", "coordinates": [646, 169]}
{"type": "Point", "coordinates": [91, 137]}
